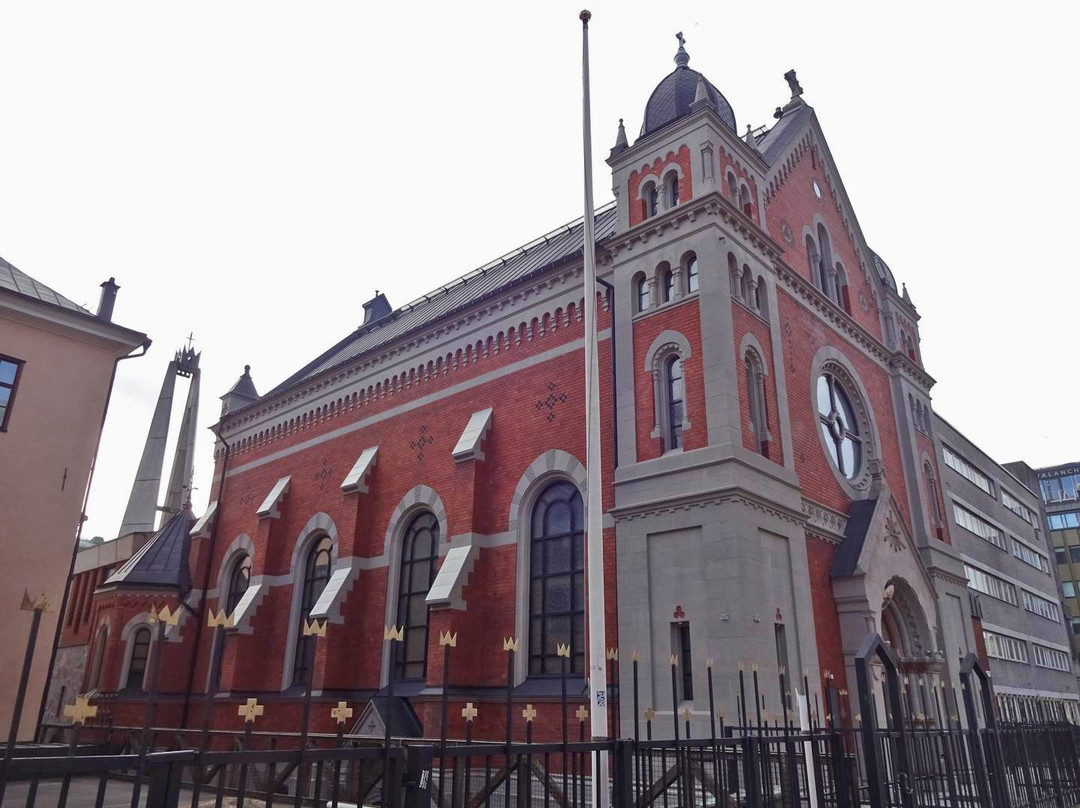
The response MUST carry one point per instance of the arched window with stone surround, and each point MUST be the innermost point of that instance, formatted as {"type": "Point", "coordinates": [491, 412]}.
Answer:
{"type": "Point", "coordinates": [140, 653]}
{"type": "Point", "coordinates": [754, 370]}
{"type": "Point", "coordinates": [671, 189]}
{"type": "Point", "coordinates": [934, 510]}
{"type": "Point", "coordinates": [239, 578]}
{"type": "Point", "coordinates": [826, 260]}
{"type": "Point", "coordinates": [843, 299]}
{"type": "Point", "coordinates": [316, 575]}
{"type": "Point", "coordinates": [416, 572]}
{"type": "Point", "coordinates": [761, 297]}
{"type": "Point", "coordinates": [650, 199]}
{"type": "Point", "coordinates": [691, 272]}
{"type": "Point", "coordinates": [839, 425]}
{"type": "Point", "coordinates": [813, 259]}
{"type": "Point", "coordinates": [733, 187]}
{"type": "Point", "coordinates": [744, 201]}
{"type": "Point", "coordinates": [100, 642]}
{"type": "Point", "coordinates": [746, 287]}
{"type": "Point", "coordinates": [675, 401]}
{"type": "Point", "coordinates": [557, 580]}
{"type": "Point", "coordinates": [641, 292]}
{"type": "Point", "coordinates": [667, 283]}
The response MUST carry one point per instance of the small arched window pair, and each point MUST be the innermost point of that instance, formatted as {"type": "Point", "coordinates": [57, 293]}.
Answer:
{"type": "Point", "coordinates": [756, 401]}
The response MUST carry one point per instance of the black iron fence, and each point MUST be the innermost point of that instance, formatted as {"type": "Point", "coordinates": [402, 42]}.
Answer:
{"type": "Point", "coordinates": [886, 755]}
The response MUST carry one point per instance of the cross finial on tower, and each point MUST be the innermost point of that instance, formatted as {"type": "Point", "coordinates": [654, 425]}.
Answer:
{"type": "Point", "coordinates": [190, 339]}
{"type": "Point", "coordinates": [682, 58]}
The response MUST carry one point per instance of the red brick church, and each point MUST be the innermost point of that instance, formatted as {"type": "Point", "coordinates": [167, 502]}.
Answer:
{"type": "Point", "coordinates": [770, 489]}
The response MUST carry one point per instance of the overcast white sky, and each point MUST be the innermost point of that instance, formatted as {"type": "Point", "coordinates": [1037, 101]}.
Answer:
{"type": "Point", "coordinates": [253, 171]}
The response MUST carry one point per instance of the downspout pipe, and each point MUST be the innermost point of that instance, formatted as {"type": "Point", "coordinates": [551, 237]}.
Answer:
{"type": "Point", "coordinates": [78, 535]}
{"type": "Point", "coordinates": [206, 578]}
{"type": "Point", "coordinates": [614, 376]}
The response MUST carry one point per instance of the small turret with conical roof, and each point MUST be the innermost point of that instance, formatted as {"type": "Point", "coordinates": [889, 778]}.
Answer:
{"type": "Point", "coordinates": [241, 394]}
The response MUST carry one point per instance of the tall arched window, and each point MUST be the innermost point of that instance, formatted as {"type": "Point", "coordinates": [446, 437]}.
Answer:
{"type": "Point", "coordinates": [761, 297]}
{"type": "Point", "coordinates": [843, 299]}
{"type": "Point", "coordinates": [641, 293]}
{"type": "Point", "coordinates": [746, 286]}
{"type": "Point", "coordinates": [99, 658]}
{"type": "Point", "coordinates": [755, 392]}
{"type": "Point", "coordinates": [744, 201]}
{"type": "Point", "coordinates": [419, 551]}
{"type": "Point", "coordinates": [932, 496]}
{"type": "Point", "coordinates": [239, 577]}
{"type": "Point", "coordinates": [667, 285]}
{"type": "Point", "coordinates": [826, 259]}
{"type": "Point", "coordinates": [691, 274]}
{"type": "Point", "coordinates": [316, 574]}
{"type": "Point", "coordinates": [650, 198]}
{"type": "Point", "coordinates": [672, 189]}
{"type": "Point", "coordinates": [140, 652]}
{"type": "Point", "coordinates": [675, 400]}
{"type": "Point", "coordinates": [839, 425]}
{"type": "Point", "coordinates": [813, 258]}
{"type": "Point", "coordinates": [557, 580]}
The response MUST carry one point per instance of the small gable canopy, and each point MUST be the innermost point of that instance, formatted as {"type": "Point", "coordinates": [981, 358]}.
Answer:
{"type": "Point", "coordinates": [162, 563]}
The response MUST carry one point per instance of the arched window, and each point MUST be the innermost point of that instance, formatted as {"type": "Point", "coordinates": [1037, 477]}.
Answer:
{"type": "Point", "coordinates": [650, 198]}
{"type": "Point", "coordinates": [641, 293]}
{"type": "Point", "coordinates": [239, 578]}
{"type": "Point", "coordinates": [733, 187]}
{"type": "Point", "coordinates": [839, 425]}
{"type": "Point", "coordinates": [843, 300]}
{"type": "Point", "coordinates": [671, 189]}
{"type": "Point", "coordinates": [761, 297]}
{"type": "Point", "coordinates": [734, 275]}
{"type": "Point", "coordinates": [826, 259]}
{"type": "Point", "coordinates": [667, 285]}
{"type": "Point", "coordinates": [932, 496]}
{"type": "Point", "coordinates": [814, 260]}
{"type": "Point", "coordinates": [691, 274]}
{"type": "Point", "coordinates": [744, 201]}
{"type": "Point", "coordinates": [557, 580]}
{"type": "Point", "coordinates": [755, 391]}
{"type": "Point", "coordinates": [675, 400]}
{"type": "Point", "coordinates": [140, 652]}
{"type": "Point", "coordinates": [746, 287]}
{"type": "Point", "coordinates": [99, 658]}
{"type": "Point", "coordinates": [316, 574]}
{"type": "Point", "coordinates": [419, 551]}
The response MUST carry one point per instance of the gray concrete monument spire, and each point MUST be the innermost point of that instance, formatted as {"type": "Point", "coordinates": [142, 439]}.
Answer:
{"type": "Point", "coordinates": [143, 502]}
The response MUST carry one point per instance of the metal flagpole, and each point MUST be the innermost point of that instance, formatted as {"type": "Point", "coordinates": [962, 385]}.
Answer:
{"type": "Point", "coordinates": [593, 463]}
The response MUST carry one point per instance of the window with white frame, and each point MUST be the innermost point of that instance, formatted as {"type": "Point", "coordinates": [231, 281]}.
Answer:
{"type": "Point", "coordinates": [755, 392]}
{"type": "Point", "coordinates": [675, 393]}
{"type": "Point", "coordinates": [1068, 589]}
{"type": "Point", "coordinates": [641, 292]}
{"type": "Point", "coordinates": [838, 424]}
{"type": "Point", "coordinates": [991, 585]}
{"type": "Point", "coordinates": [1031, 556]}
{"type": "Point", "coordinates": [967, 470]}
{"type": "Point", "coordinates": [1041, 606]}
{"type": "Point", "coordinates": [1050, 658]}
{"type": "Point", "coordinates": [1016, 506]}
{"type": "Point", "coordinates": [650, 199]}
{"type": "Point", "coordinates": [979, 526]}
{"type": "Point", "coordinates": [667, 284]}
{"type": "Point", "coordinates": [999, 646]}
{"type": "Point", "coordinates": [671, 189]}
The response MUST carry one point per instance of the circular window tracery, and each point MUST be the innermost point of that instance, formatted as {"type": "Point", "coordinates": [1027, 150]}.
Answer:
{"type": "Point", "coordinates": [839, 426]}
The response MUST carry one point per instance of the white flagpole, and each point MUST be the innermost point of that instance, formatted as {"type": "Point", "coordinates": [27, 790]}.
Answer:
{"type": "Point", "coordinates": [595, 504]}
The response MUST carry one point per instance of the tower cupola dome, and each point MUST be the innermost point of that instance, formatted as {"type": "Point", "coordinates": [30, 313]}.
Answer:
{"type": "Point", "coordinates": [673, 96]}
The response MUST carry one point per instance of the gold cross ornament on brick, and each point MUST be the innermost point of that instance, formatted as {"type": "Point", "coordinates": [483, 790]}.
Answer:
{"type": "Point", "coordinates": [528, 713]}
{"type": "Point", "coordinates": [80, 710]}
{"type": "Point", "coordinates": [342, 713]}
{"type": "Point", "coordinates": [250, 710]}
{"type": "Point", "coordinates": [469, 712]}
{"type": "Point", "coordinates": [582, 714]}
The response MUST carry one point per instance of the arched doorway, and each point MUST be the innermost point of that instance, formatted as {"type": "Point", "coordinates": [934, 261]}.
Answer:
{"type": "Point", "coordinates": [904, 626]}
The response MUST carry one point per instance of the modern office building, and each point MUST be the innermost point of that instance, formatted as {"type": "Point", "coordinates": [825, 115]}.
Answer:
{"type": "Point", "coordinates": [1058, 487]}
{"type": "Point", "coordinates": [996, 525]}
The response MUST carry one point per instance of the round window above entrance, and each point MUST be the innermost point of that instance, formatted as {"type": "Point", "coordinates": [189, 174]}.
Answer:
{"type": "Point", "coordinates": [839, 425]}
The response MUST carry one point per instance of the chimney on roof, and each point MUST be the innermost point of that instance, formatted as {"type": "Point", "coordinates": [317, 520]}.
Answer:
{"type": "Point", "coordinates": [376, 308]}
{"type": "Point", "coordinates": [108, 299]}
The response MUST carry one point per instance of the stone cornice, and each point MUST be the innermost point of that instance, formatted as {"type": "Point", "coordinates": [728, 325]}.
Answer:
{"type": "Point", "coordinates": [712, 204]}
{"type": "Point", "coordinates": [669, 505]}
{"type": "Point", "coordinates": [823, 522]}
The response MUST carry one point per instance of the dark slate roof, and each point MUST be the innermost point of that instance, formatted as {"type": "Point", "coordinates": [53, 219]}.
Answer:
{"type": "Point", "coordinates": [163, 561]}
{"type": "Point", "coordinates": [847, 555]}
{"type": "Point", "coordinates": [555, 248]}
{"type": "Point", "coordinates": [884, 272]}
{"type": "Point", "coordinates": [404, 724]}
{"type": "Point", "coordinates": [775, 143]}
{"type": "Point", "coordinates": [245, 387]}
{"type": "Point", "coordinates": [15, 280]}
{"type": "Point", "coordinates": [673, 96]}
